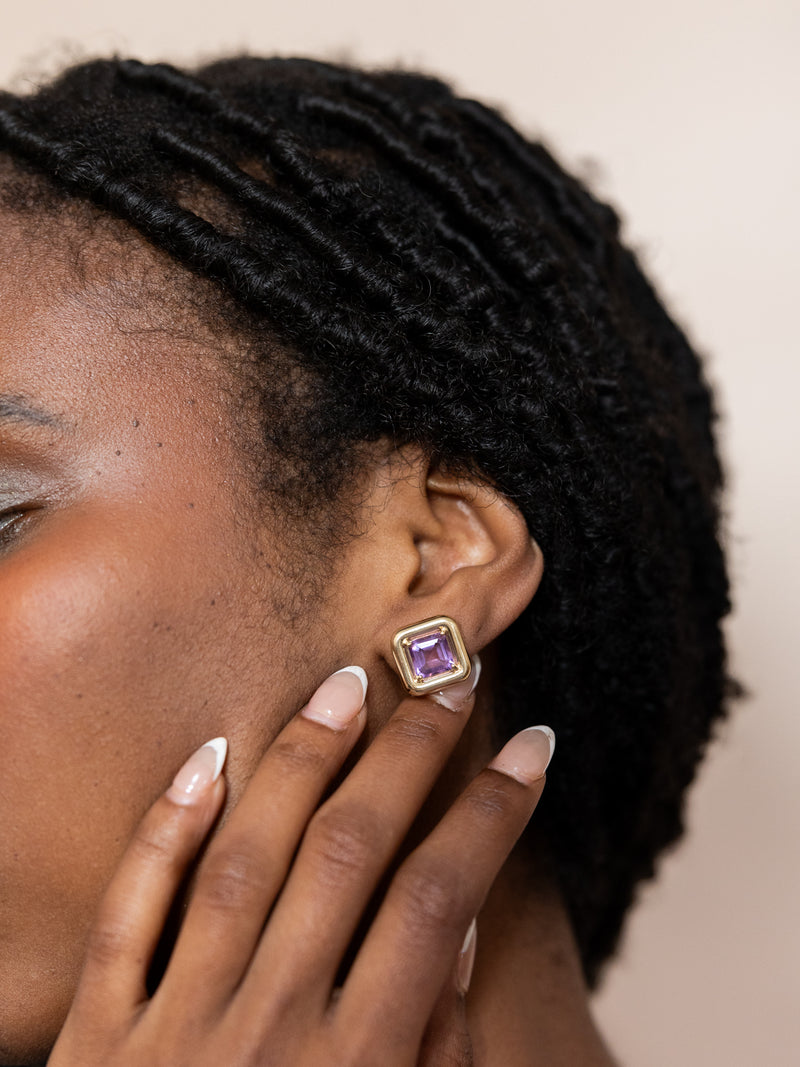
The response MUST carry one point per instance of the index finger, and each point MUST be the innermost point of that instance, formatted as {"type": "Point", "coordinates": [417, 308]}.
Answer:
{"type": "Point", "coordinates": [131, 917]}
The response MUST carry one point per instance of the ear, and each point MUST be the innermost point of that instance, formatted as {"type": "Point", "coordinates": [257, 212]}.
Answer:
{"type": "Point", "coordinates": [440, 544]}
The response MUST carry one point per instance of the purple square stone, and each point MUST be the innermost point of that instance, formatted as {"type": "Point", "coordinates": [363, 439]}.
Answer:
{"type": "Point", "coordinates": [431, 654]}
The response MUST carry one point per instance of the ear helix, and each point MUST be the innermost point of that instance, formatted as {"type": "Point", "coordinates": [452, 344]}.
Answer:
{"type": "Point", "coordinates": [431, 655]}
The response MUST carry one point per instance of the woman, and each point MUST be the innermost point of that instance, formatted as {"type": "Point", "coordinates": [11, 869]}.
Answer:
{"type": "Point", "coordinates": [293, 358]}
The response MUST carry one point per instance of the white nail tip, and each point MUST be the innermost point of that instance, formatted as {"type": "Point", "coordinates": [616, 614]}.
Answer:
{"type": "Point", "coordinates": [361, 674]}
{"type": "Point", "coordinates": [551, 737]}
{"type": "Point", "coordinates": [477, 666]}
{"type": "Point", "coordinates": [469, 938]}
{"type": "Point", "coordinates": [453, 696]}
{"type": "Point", "coordinates": [466, 960]}
{"type": "Point", "coordinates": [220, 746]}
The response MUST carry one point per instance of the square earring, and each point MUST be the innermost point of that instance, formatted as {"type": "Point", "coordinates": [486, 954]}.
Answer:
{"type": "Point", "coordinates": [430, 655]}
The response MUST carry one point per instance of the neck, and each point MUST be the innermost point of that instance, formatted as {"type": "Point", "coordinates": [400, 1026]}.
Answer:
{"type": "Point", "coordinates": [527, 1004]}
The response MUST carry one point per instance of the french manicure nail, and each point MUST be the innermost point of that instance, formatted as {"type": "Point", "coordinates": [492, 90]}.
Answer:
{"type": "Point", "coordinates": [200, 771]}
{"type": "Point", "coordinates": [339, 699]}
{"type": "Point", "coordinates": [466, 958]}
{"type": "Point", "coordinates": [454, 695]}
{"type": "Point", "coordinates": [527, 755]}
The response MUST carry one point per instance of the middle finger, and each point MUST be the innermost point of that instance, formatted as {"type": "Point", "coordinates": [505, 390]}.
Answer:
{"type": "Point", "coordinates": [351, 840]}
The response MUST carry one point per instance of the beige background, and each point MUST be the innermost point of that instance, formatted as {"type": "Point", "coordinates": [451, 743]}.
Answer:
{"type": "Point", "coordinates": [686, 116]}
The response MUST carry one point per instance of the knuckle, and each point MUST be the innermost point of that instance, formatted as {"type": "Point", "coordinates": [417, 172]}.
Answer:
{"type": "Point", "coordinates": [231, 880]}
{"type": "Point", "coordinates": [489, 801]}
{"type": "Point", "coordinates": [413, 732]}
{"type": "Point", "coordinates": [298, 756]}
{"type": "Point", "coordinates": [108, 941]}
{"type": "Point", "coordinates": [433, 893]}
{"type": "Point", "coordinates": [343, 841]}
{"type": "Point", "coordinates": [155, 845]}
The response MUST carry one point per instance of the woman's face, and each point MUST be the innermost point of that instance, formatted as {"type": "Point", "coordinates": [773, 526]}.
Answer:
{"type": "Point", "coordinates": [140, 609]}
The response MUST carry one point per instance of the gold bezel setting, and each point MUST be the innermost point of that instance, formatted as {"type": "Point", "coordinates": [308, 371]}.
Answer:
{"type": "Point", "coordinates": [446, 645]}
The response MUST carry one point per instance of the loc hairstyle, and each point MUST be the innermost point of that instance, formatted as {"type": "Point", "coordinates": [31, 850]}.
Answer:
{"type": "Point", "coordinates": [432, 277]}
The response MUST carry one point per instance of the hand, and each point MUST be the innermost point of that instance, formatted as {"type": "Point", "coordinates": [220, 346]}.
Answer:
{"type": "Point", "coordinates": [252, 977]}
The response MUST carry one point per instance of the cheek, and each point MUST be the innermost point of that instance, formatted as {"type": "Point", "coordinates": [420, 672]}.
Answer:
{"type": "Point", "coordinates": [105, 651]}
{"type": "Point", "coordinates": [108, 658]}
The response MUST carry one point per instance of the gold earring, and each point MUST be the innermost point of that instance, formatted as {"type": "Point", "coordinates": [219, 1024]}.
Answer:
{"type": "Point", "coordinates": [431, 655]}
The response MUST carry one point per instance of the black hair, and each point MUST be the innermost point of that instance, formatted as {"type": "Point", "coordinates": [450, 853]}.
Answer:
{"type": "Point", "coordinates": [433, 277]}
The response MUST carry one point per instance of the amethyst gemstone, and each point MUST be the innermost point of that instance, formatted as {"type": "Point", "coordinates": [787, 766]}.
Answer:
{"type": "Point", "coordinates": [431, 654]}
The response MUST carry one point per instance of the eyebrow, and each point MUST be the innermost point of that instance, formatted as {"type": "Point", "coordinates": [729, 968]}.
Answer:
{"type": "Point", "coordinates": [20, 409]}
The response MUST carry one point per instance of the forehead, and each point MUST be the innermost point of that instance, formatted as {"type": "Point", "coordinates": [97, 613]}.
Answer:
{"type": "Point", "coordinates": [77, 253]}
{"type": "Point", "coordinates": [92, 321]}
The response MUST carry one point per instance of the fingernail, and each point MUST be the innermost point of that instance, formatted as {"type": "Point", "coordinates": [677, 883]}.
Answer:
{"type": "Point", "coordinates": [466, 958]}
{"type": "Point", "coordinates": [527, 755]}
{"type": "Point", "coordinates": [339, 699]}
{"type": "Point", "coordinates": [199, 772]}
{"type": "Point", "coordinates": [454, 695]}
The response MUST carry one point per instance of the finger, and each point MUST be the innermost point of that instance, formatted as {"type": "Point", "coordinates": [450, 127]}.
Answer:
{"type": "Point", "coordinates": [350, 842]}
{"type": "Point", "coordinates": [134, 909]}
{"type": "Point", "coordinates": [447, 1041]}
{"type": "Point", "coordinates": [406, 955]}
{"type": "Point", "coordinates": [246, 865]}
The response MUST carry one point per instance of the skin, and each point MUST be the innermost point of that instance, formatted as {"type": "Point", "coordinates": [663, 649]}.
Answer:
{"type": "Point", "coordinates": [145, 609]}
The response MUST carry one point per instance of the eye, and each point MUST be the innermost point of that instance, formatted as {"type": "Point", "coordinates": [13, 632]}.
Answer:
{"type": "Point", "coordinates": [10, 523]}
